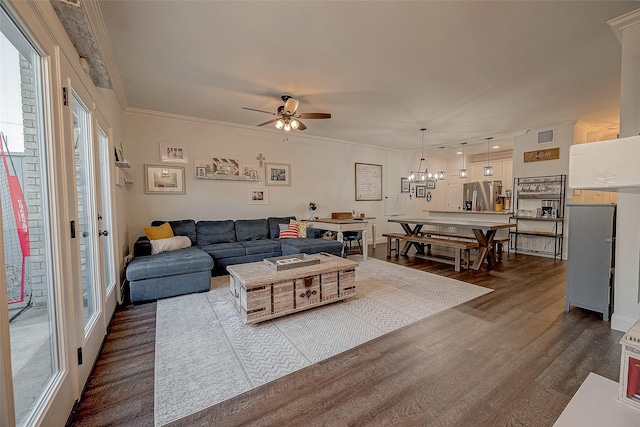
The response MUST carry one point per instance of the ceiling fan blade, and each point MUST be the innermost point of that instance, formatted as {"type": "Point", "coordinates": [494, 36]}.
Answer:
{"type": "Point", "coordinates": [301, 125]}
{"type": "Point", "coordinates": [290, 106]}
{"type": "Point", "coordinates": [259, 111]}
{"type": "Point", "coordinates": [270, 121]}
{"type": "Point", "coordinates": [314, 115]}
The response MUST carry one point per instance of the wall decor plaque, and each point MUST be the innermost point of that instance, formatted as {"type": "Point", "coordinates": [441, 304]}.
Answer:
{"type": "Point", "coordinates": [542, 155]}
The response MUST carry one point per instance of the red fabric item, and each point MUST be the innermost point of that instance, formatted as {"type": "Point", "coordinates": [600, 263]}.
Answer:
{"type": "Point", "coordinates": [633, 377]}
{"type": "Point", "coordinates": [289, 233]}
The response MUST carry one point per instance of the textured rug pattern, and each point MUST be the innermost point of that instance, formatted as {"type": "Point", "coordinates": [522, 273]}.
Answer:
{"type": "Point", "coordinates": [205, 354]}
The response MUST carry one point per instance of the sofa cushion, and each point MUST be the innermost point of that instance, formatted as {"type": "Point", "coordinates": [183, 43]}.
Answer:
{"type": "Point", "coordinates": [174, 263]}
{"type": "Point", "coordinates": [252, 229]}
{"type": "Point", "coordinates": [274, 222]}
{"type": "Point", "coordinates": [210, 232]}
{"type": "Point", "coordinates": [261, 246]}
{"type": "Point", "coordinates": [302, 228]}
{"type": "Point", "coordinates": [224, 250]}
{"type": "Point", "coordinates": [163, 231]}
{"type": "Point", "coordinates": [169, 244]}
{"type": "Point", "coordinates": [314, 233]}
{"type": "Point", "coordinates": [310, 246]}
{"type": "Point", "coordinates": [290, 233]}
{"type": "Point", "coordinates": [181, 227]}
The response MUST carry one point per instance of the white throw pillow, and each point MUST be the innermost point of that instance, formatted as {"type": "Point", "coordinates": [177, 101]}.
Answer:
{"type": "Point", "coordinates": [169, 244]}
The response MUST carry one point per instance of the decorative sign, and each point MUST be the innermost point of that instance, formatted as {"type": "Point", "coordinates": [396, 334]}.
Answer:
{"type": "Point", "coordinates": [368, 181]}
{"type": "Point", "coordinates": [542, 155]}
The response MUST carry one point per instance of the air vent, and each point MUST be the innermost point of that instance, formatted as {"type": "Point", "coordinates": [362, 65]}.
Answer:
{"type": "Point", "coordinates": [75, 3]}
{"type": "Point", "coordinates": [545, 136]}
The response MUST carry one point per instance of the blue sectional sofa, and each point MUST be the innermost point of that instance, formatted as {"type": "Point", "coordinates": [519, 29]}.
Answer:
{"type": "Point", "coordinates": [215, 245]}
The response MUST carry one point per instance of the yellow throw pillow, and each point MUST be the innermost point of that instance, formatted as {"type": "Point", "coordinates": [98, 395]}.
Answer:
{"type": "Point", "coordinates": [302, 227]}
{"type": "Point", "coordinates": [163, 231]}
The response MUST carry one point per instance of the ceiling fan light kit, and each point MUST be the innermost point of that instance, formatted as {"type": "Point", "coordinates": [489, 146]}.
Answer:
{"type": "Point", "coordinates": [288, 115]}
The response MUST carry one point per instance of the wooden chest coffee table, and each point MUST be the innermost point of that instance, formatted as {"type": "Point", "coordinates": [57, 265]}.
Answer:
{"type": "Point", "coordinates": [261, 293]}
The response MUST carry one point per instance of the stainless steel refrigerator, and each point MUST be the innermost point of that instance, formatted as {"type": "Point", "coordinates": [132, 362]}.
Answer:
{"type": "Point", "coordinates": [591, 257]}
{"type": "Point", "coordinates": [481, 194]}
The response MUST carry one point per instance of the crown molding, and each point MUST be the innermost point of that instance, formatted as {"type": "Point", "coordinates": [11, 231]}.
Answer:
{"type": "Point", "coordinates": [267, 130]}
{"type": "Point", "coordinates": [620, 23]}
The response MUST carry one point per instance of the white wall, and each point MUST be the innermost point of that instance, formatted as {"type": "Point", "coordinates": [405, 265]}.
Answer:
{"type": "Point", "coordinates": [627, 277]}
{"type": "Point", "coordinates": [562, 137]}
{"type": "Point", "coordinates": [322, 171]}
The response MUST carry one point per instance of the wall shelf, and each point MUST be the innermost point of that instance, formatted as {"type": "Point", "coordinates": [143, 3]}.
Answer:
{"type": "Point", "coordinates": [530, 235]}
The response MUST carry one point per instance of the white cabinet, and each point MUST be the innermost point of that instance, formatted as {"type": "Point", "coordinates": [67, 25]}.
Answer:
{"type": "Point", "coordinates": [502, 171]}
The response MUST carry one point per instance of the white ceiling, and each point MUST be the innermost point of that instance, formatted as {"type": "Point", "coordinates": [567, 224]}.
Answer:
{"type": "Point", "coordinates": [464, 70]}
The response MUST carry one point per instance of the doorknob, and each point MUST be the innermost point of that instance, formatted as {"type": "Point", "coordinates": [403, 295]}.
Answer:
{"type": "Point", "coordinates": [104, 233]}
{"type": "Point", "coordinates": [85, 234]}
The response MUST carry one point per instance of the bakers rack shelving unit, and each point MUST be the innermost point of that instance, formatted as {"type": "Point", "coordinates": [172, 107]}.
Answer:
{"type": "Point", "coordinates": [539, 208]}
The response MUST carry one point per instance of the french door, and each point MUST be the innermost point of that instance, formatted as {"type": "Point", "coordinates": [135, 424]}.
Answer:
{"type": "Point", "coordinates": [92, 247]}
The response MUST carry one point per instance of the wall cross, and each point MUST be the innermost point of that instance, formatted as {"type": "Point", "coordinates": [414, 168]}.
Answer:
{"type": "Point", "coordinates": [261, 158]}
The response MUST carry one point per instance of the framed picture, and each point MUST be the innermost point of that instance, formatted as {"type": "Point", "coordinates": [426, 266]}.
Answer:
{"type": "Point", "coordinates": [258, 196]}
{"type": "Point", "coordinates": [431, 183]}
{"type": "Point", "coordinates": [173, 153]}
{"type": "Point", "coordinates": [421, 190]}
{"type": "Point", "coordinates": [277, 174]}
{"type": "Point", "coordinates": [164, 179]}
{"type": "Point", "coordinates": [250, 172]}
{"type": "Point", "coordinates": [201, 172]}
{"type": "Point", "coordinates": [368, 179]}
{"type": "Point", "coordinates": [405, 185]}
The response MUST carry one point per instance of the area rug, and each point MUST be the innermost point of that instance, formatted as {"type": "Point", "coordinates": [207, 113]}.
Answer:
{"type": "Point", "coordinates": [205, 354]}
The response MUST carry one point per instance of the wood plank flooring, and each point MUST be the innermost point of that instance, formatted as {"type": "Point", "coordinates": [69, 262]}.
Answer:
{"type": "Point", "coordinates": [509, 358]}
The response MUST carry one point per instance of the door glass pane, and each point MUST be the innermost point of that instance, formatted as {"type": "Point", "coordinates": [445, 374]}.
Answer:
{"type": "Point", "coordinates": [86, 224]}
{"type": "Point", "coordinates": [105, 212]}
{"type": "Point", "coordinates": [25, 222]}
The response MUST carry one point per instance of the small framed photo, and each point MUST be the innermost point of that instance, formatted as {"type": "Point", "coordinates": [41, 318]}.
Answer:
{"type": "Point", "coordinates": [277, 174]}
{"type": "Point", "coordinates": [201, 172]}
{"type": "Point", "coordinates": [405, 185]}
{"type": "Point", "coordinates": [421, 190]}
{"type": "Point", "coordinates": [173, 153]}
{"type": "Point", "coordinates": [164, 179]}
{"type": "Point", "coordinates": [258, 196]}
{"type": "Point", "coordinates": [253, 174]}
{"type": "Point", "coordinates": [431, 183]}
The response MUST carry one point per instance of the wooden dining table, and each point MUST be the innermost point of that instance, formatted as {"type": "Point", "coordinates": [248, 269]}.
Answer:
{"type": "Point", "coordinates": [484, 233]}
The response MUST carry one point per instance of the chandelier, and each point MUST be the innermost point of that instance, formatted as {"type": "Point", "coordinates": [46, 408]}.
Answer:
{"type": "Point", "coordinates": [441, 174]}
{"type": "Point", "coordinates": [488, 170]}
{"type": "Point", "coordinates": [420, 175]}
{"type": "Point", "coordinates": [463, 173]}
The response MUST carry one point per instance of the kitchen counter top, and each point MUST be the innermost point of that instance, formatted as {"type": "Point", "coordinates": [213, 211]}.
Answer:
{"type": "Point", "coordinates": [471, 212]}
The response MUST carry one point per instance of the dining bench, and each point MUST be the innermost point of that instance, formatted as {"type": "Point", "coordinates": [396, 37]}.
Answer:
{"type": "Point", "coordinates": [461, 248]}
{"type": "Point", "coordinates": [498, 241]}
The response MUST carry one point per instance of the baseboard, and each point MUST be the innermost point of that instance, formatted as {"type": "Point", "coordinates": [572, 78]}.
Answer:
{"type": "Point", "coordinates": [622, 324]}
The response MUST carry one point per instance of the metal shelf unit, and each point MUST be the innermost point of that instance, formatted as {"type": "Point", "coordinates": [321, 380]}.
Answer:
{"type": "Point", "coordinates": [528, 193]}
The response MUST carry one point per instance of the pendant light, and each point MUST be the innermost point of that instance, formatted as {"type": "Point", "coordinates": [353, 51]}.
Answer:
{"type": "Point", "coordinates": [488, 170]}
{"type": "Point", "coordinates": [419, 175]}
{"type": "Point", "coordinates": [441, 174]}
{"type": "Point", "coordinates": [463, 173]}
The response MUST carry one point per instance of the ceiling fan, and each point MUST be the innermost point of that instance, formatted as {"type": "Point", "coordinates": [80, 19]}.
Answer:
{"type": "Point", "coordinates": [287, 115]}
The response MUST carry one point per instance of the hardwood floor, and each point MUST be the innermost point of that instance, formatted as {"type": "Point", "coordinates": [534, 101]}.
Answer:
{"type": "Point", "coordinates": [511, 357]}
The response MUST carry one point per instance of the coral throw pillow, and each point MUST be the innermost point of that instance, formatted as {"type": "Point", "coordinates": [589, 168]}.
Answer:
{"type": "Point", "coordinates": [289, 233]}
{"type": "Point", "coordinates": [163, 231]}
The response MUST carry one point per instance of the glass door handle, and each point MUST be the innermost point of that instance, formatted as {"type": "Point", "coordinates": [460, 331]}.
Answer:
{"type": "Point", "coordinates": [104, 233]}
